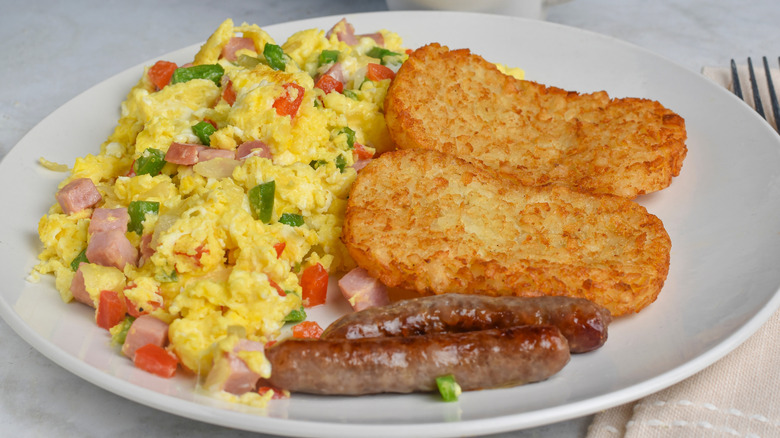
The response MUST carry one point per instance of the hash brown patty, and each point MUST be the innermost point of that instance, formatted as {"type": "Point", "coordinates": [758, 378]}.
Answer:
{"type": "Point", "coordinates": [456, 102]}
{"type": "Point", "coordinates": [430, 222]}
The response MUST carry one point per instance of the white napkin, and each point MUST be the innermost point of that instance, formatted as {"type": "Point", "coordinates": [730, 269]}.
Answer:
{"type": "Point", "coordinates": [738, 396]}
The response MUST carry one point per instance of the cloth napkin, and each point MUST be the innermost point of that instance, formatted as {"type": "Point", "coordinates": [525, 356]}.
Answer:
{"type": "Point", "coordinates": [738, 396]}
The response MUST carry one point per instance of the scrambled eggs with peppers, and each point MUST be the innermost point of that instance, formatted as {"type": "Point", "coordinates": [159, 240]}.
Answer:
{"type": "Point", "coordinates": [223, 182]}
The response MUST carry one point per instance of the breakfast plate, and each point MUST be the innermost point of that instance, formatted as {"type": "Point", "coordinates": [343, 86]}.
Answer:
{"type": "Point", "coordinates": [721, 214]}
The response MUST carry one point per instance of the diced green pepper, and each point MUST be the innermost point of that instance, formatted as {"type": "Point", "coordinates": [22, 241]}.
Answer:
{"type": "Point", "coordinates": [164, 277]}
{"type": "Point", "coordinates": [150, 162]}
{"type": "Point", "coordinates": [204, 130]}
{"type": "Point", "coordinates": [247, 61]}
{"type": "Point", "coordinates": [317, 163]}
{"type": "Point", "coordinates": [341, 163]}
{"type": "Point", "coordinates": [212, 72]}
{"type": "Point", "coordinates": [328, 56]}
{"type": "Point", "coordinates": [448, 388]}
{"type": "Point", "coordinates": [274, 56]}
{"type": "Point", "coordinates": [383, 54]}
{"type": "Point", "coordinates": [137, 210]}
{"type": "Point", "coordinates": [261, 200]}
{"type": "Point", "coordinates": [291, 219]}
{"type": "Point", "coordinates": [351, 94]}
{"type": "Point", "coordinates": [120, 335]}
{"type": "Point", "coordinates": [80, 258]}
{"type": "Point", "coordinates": [296, 315]}
{"type": "Point", "coordinates": [350, 136]}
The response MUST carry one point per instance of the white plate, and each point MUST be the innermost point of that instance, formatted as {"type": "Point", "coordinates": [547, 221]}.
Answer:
{"type": "Point", "coordinates": [722, 214]}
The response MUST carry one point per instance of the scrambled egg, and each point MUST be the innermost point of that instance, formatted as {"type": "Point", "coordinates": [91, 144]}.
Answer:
{"type": "Point", "coordinates": [214, 267]}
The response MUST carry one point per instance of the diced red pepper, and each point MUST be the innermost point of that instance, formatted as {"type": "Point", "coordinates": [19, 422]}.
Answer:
{"type": "Point", "coordinates": [361, 152]}
{"type": "Point", "coordinates": [156, 360]}
{"type": "Point", "coordinates": [270, 344]}
{"type": "Point", "coordinates": [328, 83]}
{"type": "Point", "coordinates": [277, 393]}
{"type": "Point", "coordinates": [134, 311]}
{"type": "Point", "coordinates": [131, 172]}
{"type": "Point", "coordinates": [111, 309]}
{"type": "Point", "coordinates": [409, 51]}
{"type": "Point", "coordinates": [279, 247]}
{"type": "Point", "coordinates": [314, 283]}
{"type": "Point", "coordinates": [211, 122]}
{"type": "Point", "coordinates": [307, 329]}
{"type": "Point", "coordinates": [279, 290]}
{"type": "Point", "coordinates": [229, 94]}
{"type": "Point", "coordinates": [287, 104]}
{"type": "Point", "coordinates": [377, 72]}
{"type": "Point", "coordinates": [199, 251]}
{"type": "Point", "coordinates": [160, 73]}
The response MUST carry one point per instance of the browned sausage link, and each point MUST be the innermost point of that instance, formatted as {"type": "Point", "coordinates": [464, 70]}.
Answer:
{"type": "Point", "coordinates": [582, 322]}
{"type": "Point", "coordinates": [480, 359]}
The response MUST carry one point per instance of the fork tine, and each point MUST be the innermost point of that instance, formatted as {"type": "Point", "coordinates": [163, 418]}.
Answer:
{"type": "Point", "coordinates": [754, 87]}
{"type": "Point", "coordinates": [772, 94]}
{"type": "Point", "coordinates": [735, 80]}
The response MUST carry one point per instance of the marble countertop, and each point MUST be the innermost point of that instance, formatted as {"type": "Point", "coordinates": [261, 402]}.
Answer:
{"type": "Point", "coordinates": [54, 50]}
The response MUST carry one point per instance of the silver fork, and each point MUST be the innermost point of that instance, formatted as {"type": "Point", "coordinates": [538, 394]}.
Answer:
{"type": "Point", "coordinates": [757, 104]}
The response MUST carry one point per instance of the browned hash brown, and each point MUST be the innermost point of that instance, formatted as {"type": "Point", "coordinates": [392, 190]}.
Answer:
{"type": "Point", "coordinates": [456, 102]}
{"type": "Point", "coordinates": [433, 223]}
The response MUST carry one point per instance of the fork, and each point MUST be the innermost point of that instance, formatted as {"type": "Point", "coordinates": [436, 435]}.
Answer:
{"type": "Point", "coordinates": [757, 104]}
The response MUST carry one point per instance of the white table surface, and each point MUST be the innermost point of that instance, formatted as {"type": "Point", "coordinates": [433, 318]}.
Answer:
{"type": "Point", "coordinates": [52, 51]}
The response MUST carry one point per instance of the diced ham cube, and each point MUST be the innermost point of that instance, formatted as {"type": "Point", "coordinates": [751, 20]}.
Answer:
{"type": "Point", "coordinates": [378, 37]}
{"type": "Point", "coordinates": [146, 329]}
{"type": "Point", "coordinates": [79, 289]}
{"type": "Point", "coordinates": [360, 164]}
{"type": "Point", "coordinates": [234, 45]}
{"type": "Point", "coordinates": [183, 153]}
{"type": "Point", "coordinates": [209, 154]}
{"type": "Point", "coordinates": [77, 195]}
{"type": "Point", "coordinates": [254, 148]}
{"type": "Point", "coordinates": [231, 374]}
{"type": "Point", "coordinates": [336, 71]}
{"type": "Point", "coordinates": [147, 250]}
{"type": "Point", "coordinates": [105, 219]}
{"type": "Point", "coordinates": [90, 279]}
{"type": "Point", "coordinates": [363, 291]}
{"type": "Point", "coordinates": [344, 32]}
{"type": "Point", "coordinates": [111, 248]}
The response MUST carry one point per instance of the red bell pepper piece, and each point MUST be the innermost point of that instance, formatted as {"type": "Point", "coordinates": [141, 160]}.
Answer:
{"type": "Point", "coordinates": [111, 309]}
{"type": "Point", "coordinates": [287, 104]}
{"type": "Point", "coordinates": [156, 360]}
{"type": "Point", "coordinates": [160, 73]}
{"type": "Point", "coordinates": [307, 329]}
{"type": "Point", "coordinates": [314, 283]}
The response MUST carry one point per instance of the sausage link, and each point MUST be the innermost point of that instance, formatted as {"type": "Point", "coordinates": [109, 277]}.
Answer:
{"type": "Point", "coordinates": [582, 322]}
{"type": "Point", "coordinates": [477, 360]}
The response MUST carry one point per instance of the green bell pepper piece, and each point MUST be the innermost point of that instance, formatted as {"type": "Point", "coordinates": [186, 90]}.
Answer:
{"type": "Point", "coordinates": [261, 200]}
{"type": "Point", "coordinates": [212, 72]}
{"type": "Point", "coordinates": [448, 388]}
{"type": "Point", "coordinates": [150, 162]}
{"type": "Point", "coordinates": [204, 130]}
{"type": "Point", "coordinates": [80, 258]}
{"type": "Point", "coordinates": [138, 211]}
{"type": "Point", "coordinates": [291, 219]}
{"type": "Point", "coordinates": [274, 56]}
